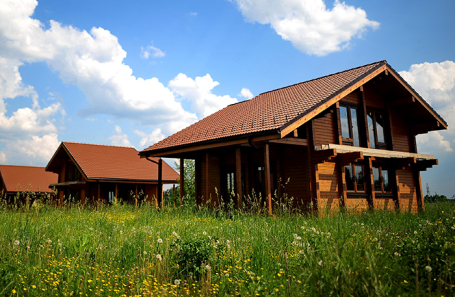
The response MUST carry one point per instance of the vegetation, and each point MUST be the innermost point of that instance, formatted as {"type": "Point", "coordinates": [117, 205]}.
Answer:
{"type": "Point", "coordinates": [122, 250]}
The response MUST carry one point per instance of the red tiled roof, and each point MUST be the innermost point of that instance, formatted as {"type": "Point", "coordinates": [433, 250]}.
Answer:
{"type": "Point", "coordinates": [273, 110]}
{"type": "Point", "coordinates": [23, 178]}
{"type": "Point", "coordinates": [111, 162]}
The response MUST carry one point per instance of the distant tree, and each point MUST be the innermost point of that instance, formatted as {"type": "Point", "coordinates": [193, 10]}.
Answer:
{"type": "Point", "coordinates": [189, 178]}
{"type": "Point", "coordinates": [434, 198]}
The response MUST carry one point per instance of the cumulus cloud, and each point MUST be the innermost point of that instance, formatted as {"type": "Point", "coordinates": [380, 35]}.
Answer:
{"type": "Point", "coordinates": [34, 150]}
{"type": "Point", "coordinates": [199, 92]}
{"type": "Point", "coordinates": [149, 139]}
{"type": "Point", "coordinates": [245, 93]}
{"type": "Point", "coordinates": [308, 24]}
{"type": "Point", "coordinates": [151, 51]}
{"type": "Point", "coordinates": [119, 138]}
{"type": "Point", "coordinates": [435, 82]}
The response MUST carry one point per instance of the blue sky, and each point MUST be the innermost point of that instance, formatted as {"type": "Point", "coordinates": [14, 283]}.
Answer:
{"type": "Point", "coordinates": [133, 72]}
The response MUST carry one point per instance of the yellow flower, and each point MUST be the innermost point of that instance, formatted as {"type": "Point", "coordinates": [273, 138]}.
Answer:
{"type": "Point", "coordinates": [14, 291]}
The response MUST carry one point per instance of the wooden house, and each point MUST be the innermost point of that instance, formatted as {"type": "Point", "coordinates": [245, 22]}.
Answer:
{"type": "Point", "coordinates": [101, 172]}
{"type": "Point", "coordinates": [346, 139]}
{"type": "Point", "coordinates": [20, 181]}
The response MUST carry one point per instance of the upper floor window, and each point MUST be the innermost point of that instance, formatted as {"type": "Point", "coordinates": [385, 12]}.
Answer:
{"type": "Point", "coordinates": [376, 129]}
{"type": "Point", "coordinates": [349, 125]}
{"type": "Point", "coordinates": [72, 173]}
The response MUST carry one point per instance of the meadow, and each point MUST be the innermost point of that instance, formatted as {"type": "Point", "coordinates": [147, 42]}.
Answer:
{"type": "Point", "coordinates": [122, 250]}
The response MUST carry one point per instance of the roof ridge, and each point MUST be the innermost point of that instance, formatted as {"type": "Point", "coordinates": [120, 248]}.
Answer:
{"type": "Point", "coordinates": [95, 144]}
{"type": "Point", "coordinates": [324, 76]}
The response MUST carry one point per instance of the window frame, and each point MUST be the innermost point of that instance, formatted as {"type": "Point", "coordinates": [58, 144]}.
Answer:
{"type": "Point", "coordinates": [382, 193]}
{"type": "Point", "coordinates": [355, 193]}
{"type": "Point", "coordinates": [377, 144]}
{"type": "Point", "coordinates": [350, 141]}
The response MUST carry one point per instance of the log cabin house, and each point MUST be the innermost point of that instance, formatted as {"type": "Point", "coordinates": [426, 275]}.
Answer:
{"type": "Point", "coordinates": [20, 181]}
{"type": "Point", "coordinates": [346, 139]}
{"type": "Point", "coordinates": [101, 172]}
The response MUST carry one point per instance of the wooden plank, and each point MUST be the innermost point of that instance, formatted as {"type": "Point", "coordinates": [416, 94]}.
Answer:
{"type": "Point", "coordinates": [402, 101]}
{"type": "Point", "coordinates": [347, 158]}
{"type": "Point", "coordinates": [182, 179]}
{"type": "Point", "coordinates": [342, 188]}
{"type": "Point", "coordinates": [337, 124]}
{"type": "Point", "coordinates": [390, 129]}
{"type": "Point", "coordinates": [397, 190]}
{"type": "Point", "coordinates": [312, 171]}
{"type": "Point", "coordinates": [197, 182]}
{"type": "Point", "coordinates": [99, 193]}
{"type": "Point", "coordinates": [135, 196]}
{"type": "Point", "coordinates": [372, 152]}
{"type": "Point", "coordinates": [116, 191]}
{"type": "Point", "coordinates": [324, 155]}
{"type": "Point", "coordinates": [268, 188]}
{"type": "Point", "coordinates": [296, 133]}
{"type": "Point", "coordinates": [330, 102]}
{"type": "Point", "coordinates": [370, 183]}
{"type": "Point", "coordinates": [291, 141]}
{"type": "Point", "coordinates": [238, 176]}
{"type": "Point", "coordinates": [419, 194]}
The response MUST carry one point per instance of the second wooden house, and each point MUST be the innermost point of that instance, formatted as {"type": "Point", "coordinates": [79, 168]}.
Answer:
{"type": "Point", "coordinates": [99, 173]}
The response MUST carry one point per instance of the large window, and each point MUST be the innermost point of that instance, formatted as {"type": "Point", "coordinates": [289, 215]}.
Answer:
{"type": "Point", "coordinates": [349, 125]}
{"type": "Point", "coordinates": [381, 180]}
{"type": "Point", "coordinates": [376, 129]}
{"type": "Point", "coordinates": [355, 181]}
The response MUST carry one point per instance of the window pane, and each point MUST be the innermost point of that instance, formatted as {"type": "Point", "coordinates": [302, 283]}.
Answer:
{"type": "Point", "coordinates": [385, 180]}
{"type": "Point", "coordinates": [377, 179]}
{"type": "Point", "coordinates": [355, 127]}
{"type": "Point", "coordinates": [349, 178]}
{"type": "Point", "coordinates": [359, 177]}
{"type": "Point", "coordinates": [344, 122]}
{"type": "Point", "coordinates": [380, 127]}
{"type": "Point", "coordinates": [371, 129]}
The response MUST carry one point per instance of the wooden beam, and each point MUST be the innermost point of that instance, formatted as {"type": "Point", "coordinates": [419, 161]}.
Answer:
{"type": "Point", "coordinates": [238, 176]}
{"type": "Point", "coordinates": [422, 128]}
{"type": "Point", "coordinates": [389, 131]}
{"type": "Point", "coordinates": [324, 156]}
{"type": "Point", "coordinates": [116, 191]}
{"type": "Point", "coordinates": [419, 194]}
{"type": "Point", "coordinates": [371, 152]}
{"type": "Point", "coordinates": [311, 165]}
{"type": "Point", "coordinates": [291, 141]}
{"type": "Point", "coordinates": [363, 125]}
{"type": "Point", "coordinates": [296, 133]}
{"type": "Point", "coordinates": [342, 188]}
{"type": "Point", "coordinates": [135, 195]}
{"type": "Point", "coordinates": [337, 124]}
{"type": "Point", "coordinates": [182, 180]}
{"type": "Point", "coordinates": [160, 182]}
{"type": "Point", "coordinates": [330, 102]}
{"type": "Point", "coordinates": [197, 177]}
{"type": "Point", "coordinates": [347, 158]}
{"type": "Point", "coordinates": [423, 165]}
{"type": "Point", "coordinates": [268, 189]}
{"type": "Point", "coordinates": [210, 146]}
{"type": "Point", "coordinates": [99, 193]}
{"type": "Point", "coordinates": [397, 190]}
{"type": "Point", "coordinates": [370, 184]}
{"type": "Point", "coordinates": [207, 177]}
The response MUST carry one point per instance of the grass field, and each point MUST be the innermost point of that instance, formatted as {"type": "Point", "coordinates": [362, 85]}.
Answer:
{"type": "Point", "coordinates": [121, 250]}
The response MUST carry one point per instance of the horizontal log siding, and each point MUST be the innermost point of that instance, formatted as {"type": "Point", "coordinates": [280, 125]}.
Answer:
{"type": "Point", "coordinates": [324, 132]}
{"type": "Point", "coordinates": [351, 98]}
{"type": "Point", "coordinates": [384, 204]}
{"type": "Point", "coordinates": [215, 179]}
{"type": "Point", "coordinates": [408, 199]}
{"type": "Point", "coordinates": [401, 135]}
{"type": "Point", "coordinates": [294, 166]}
{"type": "Point", "coordinates": [373, 99]}
{"type": "Point", "coordinates": [328, 187]}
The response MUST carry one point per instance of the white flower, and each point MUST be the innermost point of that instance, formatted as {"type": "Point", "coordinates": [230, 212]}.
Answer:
{"type": "Point", "coordinates": [49, 241]}
{"type": "Point", "coordinates": [428, 268]}
{"type": "Point", "coordinates": [208, 267]}
{"type": "Point", "coordinates": [226, 275]}
{"type": "Point", "coordinates": [301, 252]}
{"type": "Point", "coordinates": [396, 254]}
{"type": "Point", "coordinates": [177, 282]}
{"type": "Point", "coordinates": [415, 232]}
{"type": "Point", "coordinates": [320, 263]}
{"type": "Point", "coordinates": [17, 242]}
{"type": "Point", "coordinates": [159, 257]}
{"type": "Point", "coordinates": [160, 240]}
{"type": "Point", "coordinates": [205, 233]}
{"type": "Point", "coordinates": [145, 252]}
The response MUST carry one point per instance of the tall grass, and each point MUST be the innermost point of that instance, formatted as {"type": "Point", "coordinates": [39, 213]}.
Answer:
{"type": "Point", "coordinates": [189, 250]}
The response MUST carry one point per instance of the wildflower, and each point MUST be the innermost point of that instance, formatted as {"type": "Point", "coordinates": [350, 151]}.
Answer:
{"type": "Point", "coordinates": [145, 252]}
{"type": "Point", "coordinates": [397, 254]}
{"type": "Point", "coordinates": [320, 263]}
{"type": "Point", "coordinates": [49, 241]}
{"type": "Point", "coordinates": [204, 233]}
{"type": "Point", "coordinates": [428, 268]}
{"type": "Point", "coordinates": [226, 275]}
{"type": "Point", "coordinates": [159, 257]}
{"type": "Point", "coordinates": [160, 240]}
{"type": "Point", "coordinates": [14, 291]}
{"type": "Point", "coordinates": [300, 252]}
{"type": "Point", "coordinates": [208, 267]}
{"type": "Point", "coordinates": [415, 232]}
{"type": "Point", "coordinates": [17, 242]}
{"type": "Point", "coordinates": [177, 282]}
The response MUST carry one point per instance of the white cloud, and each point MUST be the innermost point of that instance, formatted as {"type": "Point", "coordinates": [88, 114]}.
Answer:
{"type": "Point", "coordinates": [149, 139]}
{"type": "Point", "coordinates": [246, 93]}
{"type": "Point", "coordinates": [153, 51]}
{"type": "Point", "coordinates": [3, 158]}
{"type": "Point", "coordinates": [32, 150]}
{"type": "Point", "coordinates": [119, 138]}
{"type": "Point", "coordinates": [199, 93]}
{"type": "Point", "coordinates": [308, 24]}
{"type": "Point", "coordinates": [435, 82]}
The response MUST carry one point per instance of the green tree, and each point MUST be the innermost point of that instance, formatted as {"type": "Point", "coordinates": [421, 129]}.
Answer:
{"type": "Point", "coordinates": [189, 178]}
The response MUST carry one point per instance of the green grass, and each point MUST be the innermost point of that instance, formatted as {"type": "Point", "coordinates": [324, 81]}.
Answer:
{"type": "Point", "coordinates": [120, 250]}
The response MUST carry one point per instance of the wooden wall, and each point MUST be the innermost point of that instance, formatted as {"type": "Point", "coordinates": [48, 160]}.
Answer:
{"type": "Point", "coordinates": [408, 195]}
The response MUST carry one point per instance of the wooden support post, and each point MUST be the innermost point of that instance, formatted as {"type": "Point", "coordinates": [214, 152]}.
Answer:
{"type": "Point", "coordinates": [160, 182]}
{"type": "Point", "coordinates": [397, 190]}
{"type": "Point", "coordinates": [342, 190]}
{"type": "Point", "coordinates": [207, 177]}
{"type": "Point", "coordinates": [82, 195]}
{"type": "Point", "coordinates": [135, 196]}
{"type": "Point", "coordinates": [389, 131]}
{"type": "Point", "coordinates": [99, 193]}
{"type": "Point", "coordinates": [238, 176]}
{"type": "Point", "coordinates": [116, 192]}
{"type": "Point", "coordinates": [247, 174]}
{"type": "Point", "coordinates": [337, 124]}
{"type": "Point", "coordinates": [363, 125]}
{"type": "Point", "coordinates": [197, 176]}
{"type": "Point", "coordinates": [268, 190]}
{"type": "Point", "coordinates": [182, 179]}
{"type": "Point", "coordinates": [312, 166]}
{"type": "Point", "coordinates": [419, 194]}
{"type": "Point", "coordinates": [370, 183]}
